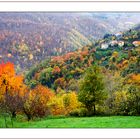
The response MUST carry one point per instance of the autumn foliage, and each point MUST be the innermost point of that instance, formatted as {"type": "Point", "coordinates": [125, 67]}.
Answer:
{"type": "Point", "coordinates": [40, 101]}
{"type": "Point", "coordinates": [36, 102]}
{"type": "Point", "coordinates": [64, 104]}
{"type": "Point", "coordinates": [11, 89]}
{"type": "Point", "coordinates": [52, 87]}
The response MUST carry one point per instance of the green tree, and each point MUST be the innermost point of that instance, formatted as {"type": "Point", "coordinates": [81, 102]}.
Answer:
{"type": "Point", "coordinates": [45, 77]}
{"type": "Point", "coordinates": [134, 100]}
{"type": "Point", "coordinates": [91, 89]}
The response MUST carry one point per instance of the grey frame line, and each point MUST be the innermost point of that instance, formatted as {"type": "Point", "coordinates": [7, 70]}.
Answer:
{"type": "Point", "coordinates": [72, 138]}
{"type": "Point", "coordinates": [69, 1]}
{"type": "Point", "coordinates": [70, 11]}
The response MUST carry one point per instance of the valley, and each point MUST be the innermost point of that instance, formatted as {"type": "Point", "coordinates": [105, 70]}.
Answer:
{"type": "Point", "coordinates": [28, 38]}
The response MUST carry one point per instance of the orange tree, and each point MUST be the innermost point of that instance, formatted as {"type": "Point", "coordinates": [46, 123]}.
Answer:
{"type": "Point", "coordinates": [35, 102]}
{"type": "Point", "coordinates": [11, 89]}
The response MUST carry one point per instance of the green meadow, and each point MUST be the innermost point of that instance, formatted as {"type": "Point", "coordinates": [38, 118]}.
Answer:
{"type": "Point", "coordinates": [74, 122]}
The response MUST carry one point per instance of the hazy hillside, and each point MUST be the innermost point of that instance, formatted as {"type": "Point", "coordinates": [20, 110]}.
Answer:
{"type": "Point", "coordinates": [28, 38]}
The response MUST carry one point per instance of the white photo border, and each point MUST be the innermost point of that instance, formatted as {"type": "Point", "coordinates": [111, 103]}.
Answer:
{"type": "Point", "coordinates": [77, 6]}
{"type": "Point", "coordinates": [23, 6]}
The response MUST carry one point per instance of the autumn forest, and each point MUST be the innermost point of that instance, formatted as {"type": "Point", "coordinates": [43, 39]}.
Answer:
{"type": "Point", "coordinates": [69, 67]}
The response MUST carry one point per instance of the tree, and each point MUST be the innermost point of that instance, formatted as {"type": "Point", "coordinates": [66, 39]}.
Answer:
{"type": "Point", "coordinates": [91, 89]}
{"type": "Point", "coordinates": [70, 102]}
{"type": "Point", "coordinates": [60, 82]}
{"type": "Point", "coordinates": [114, 85]}
{"type": "Point", "coordinates": [45, 77]}
{"type": "Point", "coordinates": [11, 89]}
{"type": "Point", "coordinates": [36, 102]}
{"type": "Point", "coordinates": [56, 105]}
{"type": "Point", "coordinates": [56, 70]}
{"type": "Point", "coordinates": [134, 100]}
{"type": "Point", "coordinates": [134, 94]}
{"type": "Point", "coordinates": [64, 104]}
{"type": "Point", "coordinates": [119, 103]}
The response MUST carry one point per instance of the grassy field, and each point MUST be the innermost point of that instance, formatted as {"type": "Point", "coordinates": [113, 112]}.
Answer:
{"type": "Point", "coordinates": [83, 122]}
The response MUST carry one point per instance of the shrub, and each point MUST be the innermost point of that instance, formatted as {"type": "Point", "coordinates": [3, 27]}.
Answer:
{"type": "Point", "coordinates": [79, 112]}
{"type": "Point", "coordinates": [56, 105]}
{"type": "Point", "coordinates": [63, 104]}
{"type": "Point", "coordinates": [36, 102]}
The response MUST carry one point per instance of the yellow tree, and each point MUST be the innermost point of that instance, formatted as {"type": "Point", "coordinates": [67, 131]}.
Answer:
{"type": "Point", "coordinates": [56, 105]}
{"type": "Point", "coordinates": [70, 101]}
{"type": "Point", "coordinates": [64, 104]}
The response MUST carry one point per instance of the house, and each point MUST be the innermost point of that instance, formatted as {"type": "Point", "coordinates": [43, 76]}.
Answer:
{"type": "Point", "coordinates": [9, 55]}
{"type": "Point", "coordinates": [104, 45]}
{"type": "Point", "coordinates": [113, 43]}
{"type": "Point", "coordinates": [119, 35]}
{"type": "Point", "coordinates": [121, 43]}
{"type": "Point", "coordinates": [31, 56]}
{"type": "Point", "coordinates": [136, 43]}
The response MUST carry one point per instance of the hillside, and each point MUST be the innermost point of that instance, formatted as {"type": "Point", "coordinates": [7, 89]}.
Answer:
{"type": "Point", "coordinates": [28, 38]}
{"type": "Point", "coordinates": [117, 53]}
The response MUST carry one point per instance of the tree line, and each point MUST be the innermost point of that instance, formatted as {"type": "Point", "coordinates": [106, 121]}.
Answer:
{"type": "Point", "coordinates": [100, 92]}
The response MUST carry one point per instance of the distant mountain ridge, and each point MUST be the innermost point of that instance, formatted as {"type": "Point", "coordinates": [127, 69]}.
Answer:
{"type": "Point", "coordinates": [28, 38]}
